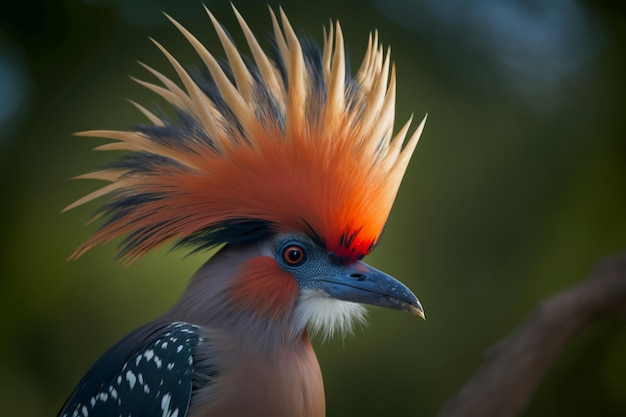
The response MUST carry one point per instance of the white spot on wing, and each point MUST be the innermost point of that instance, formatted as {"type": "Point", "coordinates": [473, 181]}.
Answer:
{"type": "Point", "coordinates": [131, 378]}
{"type": "Point", "coordinates": [165, 405]}
{"type": "Point", "coordinates": [149, 354]}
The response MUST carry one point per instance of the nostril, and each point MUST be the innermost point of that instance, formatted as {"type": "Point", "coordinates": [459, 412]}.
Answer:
{"type": "Point", "coordinates": [358, 276]}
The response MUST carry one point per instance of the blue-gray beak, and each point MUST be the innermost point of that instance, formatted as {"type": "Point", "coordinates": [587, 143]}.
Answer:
{"type": "Point", "coordinates": [360, 283]}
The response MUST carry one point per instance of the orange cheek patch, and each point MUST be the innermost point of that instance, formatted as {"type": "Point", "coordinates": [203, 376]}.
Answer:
{"type": "Point", "coordinates": [265, 288]}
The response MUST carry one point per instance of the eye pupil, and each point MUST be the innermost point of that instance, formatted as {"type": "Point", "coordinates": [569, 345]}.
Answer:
{"type": "Point", "coordinates": [293, 255]}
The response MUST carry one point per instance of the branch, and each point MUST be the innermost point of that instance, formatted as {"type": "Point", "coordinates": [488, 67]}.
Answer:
{"type": "Point", "coordinates": [513, 367]}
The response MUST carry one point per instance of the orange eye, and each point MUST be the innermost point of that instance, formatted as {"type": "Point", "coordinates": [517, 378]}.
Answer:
{"type": "Point", "coordinates": [294, 255]}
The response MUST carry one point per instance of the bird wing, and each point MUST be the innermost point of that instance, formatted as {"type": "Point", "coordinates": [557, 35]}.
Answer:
{"type": "Point", "coordinates": [150, 372]}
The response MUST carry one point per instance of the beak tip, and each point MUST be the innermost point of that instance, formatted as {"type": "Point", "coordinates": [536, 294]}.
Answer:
{"type": "Point", "coordinates": [419, 312]}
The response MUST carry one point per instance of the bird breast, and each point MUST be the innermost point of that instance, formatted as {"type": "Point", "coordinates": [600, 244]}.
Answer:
{"type": "Point", "coordinates": [283, 383]}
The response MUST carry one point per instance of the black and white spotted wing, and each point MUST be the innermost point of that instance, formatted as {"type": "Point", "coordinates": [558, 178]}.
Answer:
{"type": "Point", "coordinates": [148, 373]}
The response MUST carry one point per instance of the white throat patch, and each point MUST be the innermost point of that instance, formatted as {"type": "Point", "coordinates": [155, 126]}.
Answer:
{"type": "Point", "coordinates": [326, 315]}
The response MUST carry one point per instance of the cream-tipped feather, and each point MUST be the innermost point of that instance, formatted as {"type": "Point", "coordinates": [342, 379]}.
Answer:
{"type": "Point", "coordinates": [171, 86]}
{"type": "Point", "coordinates": [266, 68]}
{"type": "Point", "coordinates": [335, 104]}
{"type": "Point", "coordinates": [154, 119]}
{"type": "Point", "coordinates": [166, 94]}
{"type": "Point", "coordinates": [298, 80]}
{"type": "Point", "coordinates": [243, 78]}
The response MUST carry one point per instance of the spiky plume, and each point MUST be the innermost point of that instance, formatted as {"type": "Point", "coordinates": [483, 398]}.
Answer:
{"type": "Point", "coordinates": [288, 143]}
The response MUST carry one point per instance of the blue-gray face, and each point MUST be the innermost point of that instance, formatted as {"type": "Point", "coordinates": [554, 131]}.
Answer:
{"type": "Point", "coordinates": [315, 268]}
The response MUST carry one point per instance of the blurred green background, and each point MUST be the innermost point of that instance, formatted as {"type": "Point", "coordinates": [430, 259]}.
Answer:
{"type": "Point", "coordinates": [517, 188]}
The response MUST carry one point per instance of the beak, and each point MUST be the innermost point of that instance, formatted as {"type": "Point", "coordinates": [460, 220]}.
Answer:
{"type": "Point", "coordinates": [360, 283]}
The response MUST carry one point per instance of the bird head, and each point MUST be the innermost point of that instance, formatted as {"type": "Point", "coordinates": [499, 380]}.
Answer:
{"type": "Point", "coordinates": [290, 282]}
{"type": "Point", "coordinates": [288, 154]}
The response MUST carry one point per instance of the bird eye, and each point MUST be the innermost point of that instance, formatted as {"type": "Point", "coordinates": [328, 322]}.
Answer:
{"type": "Point", "coordinates": [294, 255]}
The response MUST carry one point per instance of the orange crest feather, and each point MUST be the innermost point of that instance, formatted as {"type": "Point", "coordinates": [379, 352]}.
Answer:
{"type": "Point", "coordinates": [292, 143]}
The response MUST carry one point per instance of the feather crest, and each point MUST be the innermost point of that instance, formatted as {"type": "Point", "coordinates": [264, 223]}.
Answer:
{"type": "Point", "coordinates": [284, 143]}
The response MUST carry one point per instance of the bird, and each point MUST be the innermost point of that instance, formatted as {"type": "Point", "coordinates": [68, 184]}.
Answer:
{"type": "Point", "coordinates": [287, 165]}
